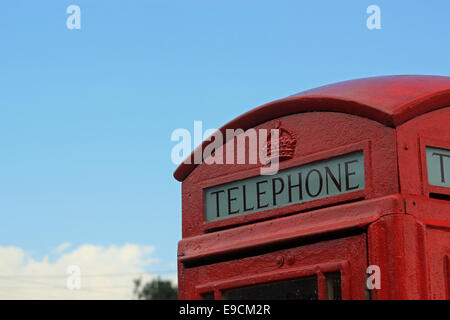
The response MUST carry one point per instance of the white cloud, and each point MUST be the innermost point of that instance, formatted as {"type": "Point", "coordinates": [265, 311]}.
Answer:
{"type": "Point", "coordinates": [106, 272]}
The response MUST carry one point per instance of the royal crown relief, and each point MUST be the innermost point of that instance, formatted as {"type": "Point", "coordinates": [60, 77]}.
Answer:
{"type": "Point", "coordinates": [284, 148]}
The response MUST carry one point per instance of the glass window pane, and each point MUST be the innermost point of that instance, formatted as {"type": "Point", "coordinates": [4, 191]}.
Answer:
{"type": "Point", "coordinates": [333, 282]}
{"type": "Point", "coordinates": [292, 289]}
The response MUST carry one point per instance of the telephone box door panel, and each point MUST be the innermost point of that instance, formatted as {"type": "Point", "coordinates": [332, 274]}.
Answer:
{"type": "Point", "coordinates": [326, 270]}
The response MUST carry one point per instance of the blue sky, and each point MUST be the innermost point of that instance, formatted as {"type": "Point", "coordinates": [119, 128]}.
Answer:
{"type": "Point", "coordinates": [86, 115]}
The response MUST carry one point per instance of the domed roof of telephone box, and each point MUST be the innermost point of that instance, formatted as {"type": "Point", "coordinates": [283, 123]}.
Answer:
{"type": "Point", "coordinates": [390, 100]}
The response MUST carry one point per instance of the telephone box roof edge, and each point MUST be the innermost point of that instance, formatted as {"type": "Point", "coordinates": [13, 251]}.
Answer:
{"type": "Point", "coordinates": [390, 100]}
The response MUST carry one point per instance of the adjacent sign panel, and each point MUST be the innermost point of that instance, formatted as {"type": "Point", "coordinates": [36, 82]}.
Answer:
{"type": "Point", "coordinates": [304, 183]}
{"type": "Point", "coordinates": [438, 166]}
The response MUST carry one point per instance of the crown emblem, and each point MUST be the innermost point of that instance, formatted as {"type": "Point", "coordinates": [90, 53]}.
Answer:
{"type": "Point", "coordinates": [285, 147]}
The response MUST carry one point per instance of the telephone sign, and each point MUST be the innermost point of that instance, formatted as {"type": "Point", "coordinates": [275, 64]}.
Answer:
{"type": "Point", "coordinates": [438, 166]}
{"type": "Point", "coordinates": [304, 183]}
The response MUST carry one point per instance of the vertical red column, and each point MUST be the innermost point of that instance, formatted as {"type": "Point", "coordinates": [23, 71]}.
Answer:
{"type": "Point", "coordinates": [395, 245]}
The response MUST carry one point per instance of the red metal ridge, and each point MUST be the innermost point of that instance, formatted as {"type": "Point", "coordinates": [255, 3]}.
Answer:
{"type": "Point", "coordinates": [390, 100]}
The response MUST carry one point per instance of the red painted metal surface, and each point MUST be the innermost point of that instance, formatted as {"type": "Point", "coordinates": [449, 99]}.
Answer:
{"type": "Point", "coordinates": [311, 259]}
{"type": "Point", "coordinates": [398, 222]}
{"type": "Point", "coordinates": [322, 135]}
{"type": "Point", "coordinates": [432, 129]}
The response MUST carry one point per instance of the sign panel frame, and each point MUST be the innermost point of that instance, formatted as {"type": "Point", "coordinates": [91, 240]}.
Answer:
{"type": "Point", "coordinates": [315, 180]}
{"type": "Point", "coordinates": [363, 146]}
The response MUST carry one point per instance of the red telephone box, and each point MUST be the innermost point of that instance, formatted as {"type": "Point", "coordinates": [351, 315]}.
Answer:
{"type": "Point", "coordinates": [363, 180]}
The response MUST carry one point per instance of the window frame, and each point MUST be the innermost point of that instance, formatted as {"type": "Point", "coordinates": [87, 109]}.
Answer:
{"type": "Point", "coordinates": [347, 266]}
